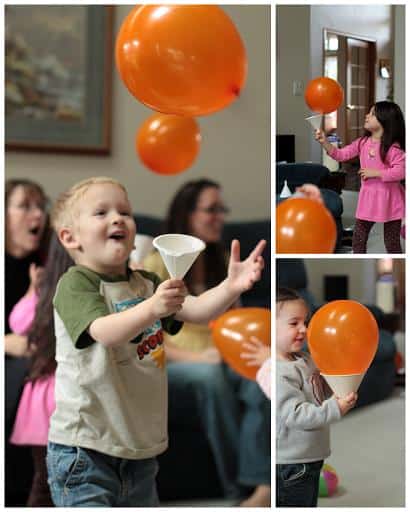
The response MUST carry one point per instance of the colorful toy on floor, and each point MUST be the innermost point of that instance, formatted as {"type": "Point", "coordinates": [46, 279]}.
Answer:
{"type": "Point", "coordinates": [328, 481]}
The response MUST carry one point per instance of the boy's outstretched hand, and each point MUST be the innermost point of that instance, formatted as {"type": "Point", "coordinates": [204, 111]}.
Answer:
{"type": "Point", "coordinates": [347, 402]}
{"type": "Point", "coordinates": [242, 275]}
{"type": "Point", "coordinates": [256, 352]}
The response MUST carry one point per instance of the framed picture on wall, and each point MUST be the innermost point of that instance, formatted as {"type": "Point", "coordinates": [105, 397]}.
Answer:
{"type": "Point", "coordinates": [58, 71]}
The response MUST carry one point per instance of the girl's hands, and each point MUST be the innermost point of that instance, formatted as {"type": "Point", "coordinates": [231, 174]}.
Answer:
{"type": "Point", "coordinates": [365, 174]}
{"type": "Point", "coordinates": [257, 352]}
{"type": "Point", "coordinates": [242, 275]}
{"type": "Point", "coordinates": [320, 136]}
{"type": "Point", "coordinates": [346, 403]}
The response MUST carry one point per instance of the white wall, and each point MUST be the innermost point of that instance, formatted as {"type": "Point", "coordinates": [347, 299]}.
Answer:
{"type": "Point", "coordinates": [361, 274]}
{"type": "Point", "coordinates": [399, 64]}
{"type": "Point", "coordinates": [235, 149]}
{"type": "Point", "coordinates": [300, 57]}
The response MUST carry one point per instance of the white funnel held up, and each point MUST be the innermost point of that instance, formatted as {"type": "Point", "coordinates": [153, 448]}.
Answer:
{"type": "Point", "coordinates": [178, 252]}
{"type": "Point", "coordinates": [285, 191]}
{"type": "Point", "coordinates": [342, 385]}
{"type": "Point", "coordinates": [315, 121]}
{"type": "Point", "coordinates": [142, 247]}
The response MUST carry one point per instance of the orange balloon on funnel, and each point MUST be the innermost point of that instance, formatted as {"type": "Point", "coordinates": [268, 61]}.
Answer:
{"type": "Point", "coordinates": [304, 226]}
{"type": "Point", "coordinates": [323, 95]}
{"type": "Point", "coordinates": [181, 59]}
{"type": "Point", "coordinates": [343, 338]}
{"type": "Point", "coordinates": [235, 327]}
{"type": "Point", "coordinates": [168, 144]}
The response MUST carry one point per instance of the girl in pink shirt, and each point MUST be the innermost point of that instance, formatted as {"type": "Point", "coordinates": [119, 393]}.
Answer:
{"type": "Point", "coordinates": [32, 316]}
{"type": "Point", "coordinates": [382, 167]}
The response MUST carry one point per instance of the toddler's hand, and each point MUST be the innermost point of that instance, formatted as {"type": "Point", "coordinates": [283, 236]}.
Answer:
{"type": "Point", "coordinates": [257, 352]}
{"type": "Point", "coordinates": [320, 136]}
{"type": "Point", "coordinates": [346, 403]}
{"type": "Point", "coordinates": [169, 297]}
{"type": "Point", "coordinates": [311, 192]}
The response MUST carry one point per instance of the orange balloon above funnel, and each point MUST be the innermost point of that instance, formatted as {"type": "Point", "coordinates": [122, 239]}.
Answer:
{"type": "Point", "coordinates": [343, 338]}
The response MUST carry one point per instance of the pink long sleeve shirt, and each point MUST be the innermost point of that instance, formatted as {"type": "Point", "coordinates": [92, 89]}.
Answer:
{"type": "Point", "coordinates": [380, 199]}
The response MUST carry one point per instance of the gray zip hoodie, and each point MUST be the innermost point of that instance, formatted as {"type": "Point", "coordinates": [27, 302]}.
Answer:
{"type": "Point", "coordinates": [302, 422]}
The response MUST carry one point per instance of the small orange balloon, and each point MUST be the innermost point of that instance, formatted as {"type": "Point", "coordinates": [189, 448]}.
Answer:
{"type": "Point", "coordinates": [181, 59]}
{"type": "Point", "coordinates": [343, 337]}
{"type": "Point", "coordinates": [323, 95]}
{"type": "Point", "coordinates": [304, 226]}
{"type": "Point", "coordinates": [168, 144]}
{"type": "Point", "coordinates": [236, 327]}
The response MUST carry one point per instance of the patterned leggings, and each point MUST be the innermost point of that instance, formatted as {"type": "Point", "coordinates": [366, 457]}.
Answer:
{"type": "Point", "coordinates": [391, 236]}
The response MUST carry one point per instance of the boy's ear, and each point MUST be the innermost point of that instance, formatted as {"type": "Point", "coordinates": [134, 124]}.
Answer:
{"type": "Point", "coordinates": [68, 239]}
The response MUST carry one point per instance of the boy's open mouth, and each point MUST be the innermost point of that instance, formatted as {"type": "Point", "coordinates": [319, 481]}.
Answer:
{"type": "Point", "coordinates": [118, 236]}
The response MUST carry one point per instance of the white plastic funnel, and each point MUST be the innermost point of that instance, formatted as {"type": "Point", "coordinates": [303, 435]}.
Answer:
{"type": "Point", "coordinates": [315, 121]}
{"type": "Point", "coordinates": [342, 385]}
{"type": "Point", "coordinates": [178, 252]}
{"type": "Point", "coordinates": [142, 247]}
{"type": "Point", "coordinates": [285, 191]}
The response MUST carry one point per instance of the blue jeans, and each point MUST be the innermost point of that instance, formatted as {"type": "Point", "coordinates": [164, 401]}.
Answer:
{"type": "Point", "coordinates": [79, 477]}
{"type": "Point", "coordinates": [234, 415]}
{"type": "Point", "coordinates": [297, 485]}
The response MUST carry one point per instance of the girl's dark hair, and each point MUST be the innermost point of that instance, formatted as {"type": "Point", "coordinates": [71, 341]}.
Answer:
{"type": "Point", "coordinates": [41, 335]}
{"type": "Point", "coordinates": [177, 221]}
{"type": "Point", "coordinates": [287, 295]}
{"type": "Point", "coordinates": [31, 187]}
{"type": "Point", "coordinates": [391, 118]}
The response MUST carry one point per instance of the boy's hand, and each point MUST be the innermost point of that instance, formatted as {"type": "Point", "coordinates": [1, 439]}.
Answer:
{"type": "Point", "coordinates": [346, 403]}
{"type": "Point", "coordinates": [242, 275]}
{"type": "Point", "coordinates": [257, 352]}
{"type": "Point", "coordinates": [320, 136]}
{"type": "Point", "coordinates": [169, 297]}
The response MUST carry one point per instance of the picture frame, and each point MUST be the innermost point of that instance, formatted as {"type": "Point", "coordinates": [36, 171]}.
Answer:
{"type": "Point", "coordinates": [58, 73]}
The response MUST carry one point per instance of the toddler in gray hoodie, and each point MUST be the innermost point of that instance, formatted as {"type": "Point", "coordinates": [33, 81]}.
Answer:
{"type": "Point", "coordinates": [305, 407]}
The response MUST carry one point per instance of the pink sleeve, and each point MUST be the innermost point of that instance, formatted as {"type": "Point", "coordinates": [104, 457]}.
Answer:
{"type": "Point", "coordinates": [346, 153]}
{"type": "Point", "coordinates": [22, 315]}
{"type": "Point", "coordinates": [396, 159]}
{"type": "Point", "coordinates": [263, 378]}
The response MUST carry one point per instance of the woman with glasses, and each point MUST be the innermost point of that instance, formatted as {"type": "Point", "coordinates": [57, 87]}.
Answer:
{"type": "Point", "coordinates": [25, 250]}
{"type": "Point", "coordinates": [235, 415]}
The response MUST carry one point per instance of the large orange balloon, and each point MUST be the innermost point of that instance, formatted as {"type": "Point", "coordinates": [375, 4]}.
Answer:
{"type": "Point", "coordinates": [343, 338]}
{"type": "Point", "coordinates": [304, 226]}
{"type": "Point", "coordinates": [323, 95]}
{"type": "Point", "coordinates": [168, 144]}
{"type": "Point", "coordinates": [235, 327]}
{"type": "Point", "coordinates": [181, 59]}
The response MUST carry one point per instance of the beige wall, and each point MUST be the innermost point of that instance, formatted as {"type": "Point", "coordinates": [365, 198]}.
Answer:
{"type": "Point", "coordinates": [235, 149]}
{"type": "Point", "coordinates": [300, 57]}
{"type": "Point", "coordinates": [361, 274]}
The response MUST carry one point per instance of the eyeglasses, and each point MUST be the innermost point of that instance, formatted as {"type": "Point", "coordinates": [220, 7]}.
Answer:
{"type": "Point", "coordinates": [214, 209]}
{"type": "Point", "coordinates": [30, 206]}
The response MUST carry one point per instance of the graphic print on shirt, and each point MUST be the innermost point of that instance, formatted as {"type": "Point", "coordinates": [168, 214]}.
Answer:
{"type": "Point", "coordinates": [151, 342]}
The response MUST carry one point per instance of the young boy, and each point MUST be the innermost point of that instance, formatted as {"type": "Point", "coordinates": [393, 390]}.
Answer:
{"type": "Point", "coordinates": [110, 420]}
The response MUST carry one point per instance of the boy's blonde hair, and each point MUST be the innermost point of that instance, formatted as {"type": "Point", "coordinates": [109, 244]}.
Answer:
{"type": "Point", "coordinates": [64, 209]}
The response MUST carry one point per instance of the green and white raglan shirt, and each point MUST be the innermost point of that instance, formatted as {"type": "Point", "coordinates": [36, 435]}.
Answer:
{"type": "Point", "coordinates": [112, 400]}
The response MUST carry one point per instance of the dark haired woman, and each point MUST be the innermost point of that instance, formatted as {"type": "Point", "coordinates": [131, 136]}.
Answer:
{"type": "Point", "coordinates": [33, 317]}
{"type": "Point", "coordinates": [235, 414]}
{"type": "Point", "coordinates": [26, 244]}
{"type": "Point", "coordinates": [382, 168]}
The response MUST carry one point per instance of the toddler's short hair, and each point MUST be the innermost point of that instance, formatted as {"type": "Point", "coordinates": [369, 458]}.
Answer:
{"type": "Point", "coordinates": [64, 209]}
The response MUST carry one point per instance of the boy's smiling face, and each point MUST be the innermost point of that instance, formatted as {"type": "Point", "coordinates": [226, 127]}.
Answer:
{"type": "Point", "coordinates": [291, 319]}
{"type": "Point", "coordinates": [104, 230]}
